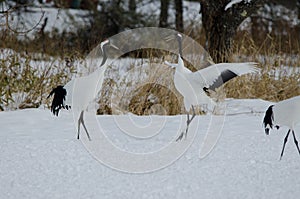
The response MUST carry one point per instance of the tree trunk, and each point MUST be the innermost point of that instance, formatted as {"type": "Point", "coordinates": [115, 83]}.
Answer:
{"type": "Point", "coordinates": [220, 26]}
{"type": "Point", "coordinates": [298, 6]}
{"type": "Point", "coordinates": [163, 18]}
{"type": "Point", "coordinates": [132, 6]}
{"type": "Point", "coordinates": [179, 16]}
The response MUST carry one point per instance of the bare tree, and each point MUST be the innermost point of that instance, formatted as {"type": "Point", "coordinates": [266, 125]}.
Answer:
{"type": "Point", "coordinates": [298, 6]}
{"type": "Point", "coordinates": [132, 6]}
{"type": "Point", "coordinates": [179, 16]}
{"type": "Point", "coordinates": [220, 24]}
{"type": "Point", "coordinates": [163, 18]}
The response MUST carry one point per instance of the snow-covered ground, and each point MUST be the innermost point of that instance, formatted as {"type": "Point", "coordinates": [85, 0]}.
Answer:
{"type": "Point", "coordinates": [40, 157]}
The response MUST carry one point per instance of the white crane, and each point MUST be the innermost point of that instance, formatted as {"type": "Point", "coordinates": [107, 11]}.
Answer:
{"type": "Point", "coordinates": [194, 86]}
{"type": "Point", "coordinates": [284, 113]}
{"type": "Point", "coordinates": [86, 87]}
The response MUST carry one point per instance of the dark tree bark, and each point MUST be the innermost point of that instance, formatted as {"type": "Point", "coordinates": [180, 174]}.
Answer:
{"type": "Point", "coordinates": [220, 26]}
{"type": "Point", "coordinates": [163, 18]}
{"type": "Point", "coordinates": [132, 6]}
{"type": "Point", "coordinates": [179, 16]}
{"type": "Point", "coordinates": [298, 7]}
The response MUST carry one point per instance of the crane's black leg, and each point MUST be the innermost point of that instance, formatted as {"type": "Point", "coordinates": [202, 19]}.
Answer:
{"type": "Point", "coordinates": [82, 122]}
{"type": "Point", "coordinates": [295, 140]}
{"type": "Point", "coordinates": [79, 121]}
{"type": "Point", "coordinates": [180, 136]}
{"type": "Point", "coordinates": [182, 133]}
{"type": "Point", "coordinates": [285, 140]}
{"type": "Point", "coordinates": [189, 121]}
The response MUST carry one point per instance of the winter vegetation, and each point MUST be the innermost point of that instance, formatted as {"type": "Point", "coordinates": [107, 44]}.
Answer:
{"type": "Point", "coordinates": [44, 40]}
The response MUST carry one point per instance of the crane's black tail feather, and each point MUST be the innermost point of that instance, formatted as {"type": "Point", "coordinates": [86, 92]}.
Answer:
{"type": "Point", "coordinates": [58, 101]}
{"type": "Point", "coordinates": [269, 119]}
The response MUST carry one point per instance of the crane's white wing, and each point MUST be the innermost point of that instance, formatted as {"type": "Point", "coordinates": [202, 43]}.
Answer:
{"type": "Point", "coordinates": [287, 112]}
{"type": "Point", "coordinates": [69, 89]}
{"type": "Point", "coordinates": [217, 74]}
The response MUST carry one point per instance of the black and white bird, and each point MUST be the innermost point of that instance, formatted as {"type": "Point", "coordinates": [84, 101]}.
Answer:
{"type": "Point", "coordinates": [80, 92]}
{"type": "Point", "coordinates": [284, 113]}
{"type": "Point", "coordinates": [194, 86]}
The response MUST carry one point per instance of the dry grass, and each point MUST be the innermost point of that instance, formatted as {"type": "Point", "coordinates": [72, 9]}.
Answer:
{"type": "Point", "coordinates": [22, 85]}
{"type": "Point", "coordinates": [277, 80]}
{"type": "Point", "coordinates": [150, 90]}
{"type": "Point", "coordinates": [25, 85]}
{"type": "Point", "coordinates": [279, 76]}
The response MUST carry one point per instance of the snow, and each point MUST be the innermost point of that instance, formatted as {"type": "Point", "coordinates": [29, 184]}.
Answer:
{"type": "Point", "coordinates": [40, 157]}
{"type": "Point", "coordinates": [272, 15]}
{"type": "Point", "coordinates": [232, 2]}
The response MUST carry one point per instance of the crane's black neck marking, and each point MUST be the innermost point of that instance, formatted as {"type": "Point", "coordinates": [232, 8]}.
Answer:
{"type": "Point", "coordinates": [269, 119]}
{"type": "Point", "coordinates": [179, 39]}
{"type": "Point", "coordinates": [225, 76]}
{"type": "Point", "coordinates": [104, 55]}
{"type": "Point", "coordinates": [58, 101]}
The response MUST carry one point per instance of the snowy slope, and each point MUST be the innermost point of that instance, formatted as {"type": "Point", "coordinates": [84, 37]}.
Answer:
{"type": "Point", "coordinates": [41, 158]}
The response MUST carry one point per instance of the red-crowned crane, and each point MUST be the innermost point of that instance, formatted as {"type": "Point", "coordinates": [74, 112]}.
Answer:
{"type": "Point", "coordinates": [283, 113]}
{"type": "Point", "coordinates": [86, 87]}
{"type": "Point", "coordinates": [194, 86]}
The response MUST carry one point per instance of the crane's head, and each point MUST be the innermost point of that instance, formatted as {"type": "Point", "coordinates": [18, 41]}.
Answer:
{"type": "Point", "coordinates": [179, 37]}
{"type": "Point", "coordinates": [106, 43]}
{"type": "Point", "coordinates": [103, 47]}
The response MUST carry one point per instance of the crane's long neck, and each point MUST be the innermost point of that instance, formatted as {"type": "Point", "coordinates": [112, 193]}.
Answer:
{"type": "Point", "coordinates": [180, 47]}
{"type": "Point", "coordinates": [99, 72]}
{"type": "Point", "coordinates": [98, 76]}
{"type": "Point", "coordinates": [180, 67]}
{"type": "Point", "coordinates": [104, 56]}
{"type": "Point", "coordinates": [180, 61]}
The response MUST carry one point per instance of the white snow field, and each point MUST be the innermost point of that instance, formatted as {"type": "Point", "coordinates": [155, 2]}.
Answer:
{"type": "Point", "coordinates": [40, 157]}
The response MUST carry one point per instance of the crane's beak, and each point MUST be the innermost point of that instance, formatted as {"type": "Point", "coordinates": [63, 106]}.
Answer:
{"type": "Point", "coordinates": [115, 47]}
{"type": "Point", "coordinates": [170, 64]}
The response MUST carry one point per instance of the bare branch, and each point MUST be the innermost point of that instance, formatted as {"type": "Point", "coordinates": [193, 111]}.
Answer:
{"type": "Point", "coordinates": [11, 10]}
{"type": "Point", "coordinates": [220, 25]}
